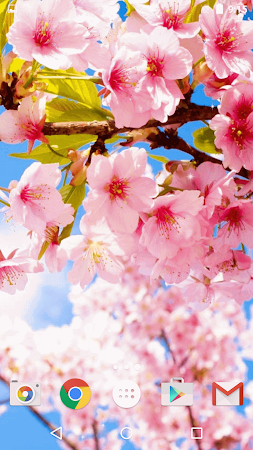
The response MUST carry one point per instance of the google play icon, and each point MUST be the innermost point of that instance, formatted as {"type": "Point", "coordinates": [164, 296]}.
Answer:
{"type": "Point", "coordinates": [177, 393]}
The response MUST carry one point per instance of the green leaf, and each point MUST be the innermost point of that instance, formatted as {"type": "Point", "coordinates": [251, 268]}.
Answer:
{"type": "Point", "coordinates": [158, 158]}
{"type": "Point", "coordinates": [43, 249]}
{"type": "Point", "coordinates": [204, 140]}
{"type": "Point", "coordinates": [168, 189]}
{"type": "Point", "coordinates": [73, 195]}
{"type": "Point", "coordinates": [194, 13]}
{"type": "Point", "coordinates": [3, 13]}
{"type": "Point", "coordinates": [61, 144]}
{"type": "Point", "coordinates": [130, 8]}
{"type": "Point", "coordinates": [63, 110]}
{"type": "Point", "coordinates": [83, 91]}
{"type": "Point", "coordinates": [212, 3]}
{"type": "Point", "coordinates": [16, 65]}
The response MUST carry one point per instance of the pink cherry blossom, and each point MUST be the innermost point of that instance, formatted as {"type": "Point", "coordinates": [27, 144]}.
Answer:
{"type": "Point", "coordinates": [55, 256]}
{"type": "Point", "coordinates": [234, 127]}
{"type": "Point", "coordinates": [49, 34]}
{"type": "Point", "coordinates": [233, 264]}
{"type": "Point", "coordinates": [211, 179]}
{"type": "Point", "coordinates": [24, 124]}
{"type": "Point", "coordinates": [169, 14]}
{"type": "Point", "coordinates": [14, 269]}
{"type": "Point", "coordinates": [172, 224]}
{"type": "Point", "coordinates": [35, 200]}
{"type": "Point", "coordinates": [228, 42]}
{"type": "Point", "coordinates": [95, 251]}
{"type": "Point", "coordinates": [176, 269]}
{"type": "Point", "coordinates": [107, 12]}
{"type": "Point", "coordinates": [200, 291]}
{"type": "Point", "coordinates": [119, 191]}
{"type": "Point", "coordinates": [99, 15]}
{"type": "Point", "coordinates": [164, 63]}
{"type": "Point", "coordinates": [122, 91]}
{"type": "Point", "coordinates": [236, 223]}
{"type": "Point", "coordinates": [215, 87]}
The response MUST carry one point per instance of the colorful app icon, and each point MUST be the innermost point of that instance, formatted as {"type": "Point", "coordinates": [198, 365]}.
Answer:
{"type": "Point", "coordinates": [177, 393]}
{"type": "Point", "coordinates": [126, 394]}
{"type": "Point", "coordinates": [227, 393]}
{"type": "Point", "coordinates": [75, 393]}
{"type": "Point", "coordinates": [23, 394]}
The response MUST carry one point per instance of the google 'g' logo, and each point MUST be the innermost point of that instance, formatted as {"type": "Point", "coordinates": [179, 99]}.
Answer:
{"type": "Point", "coordinates": [75, 393]}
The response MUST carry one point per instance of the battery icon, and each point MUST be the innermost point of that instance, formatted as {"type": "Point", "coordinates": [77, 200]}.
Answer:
{"type": "Point", "coordinates": [219, 8]}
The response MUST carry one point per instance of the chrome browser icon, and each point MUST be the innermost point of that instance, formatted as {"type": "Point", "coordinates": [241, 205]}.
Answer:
{"type": "Point", "coordinates": [75, 393]}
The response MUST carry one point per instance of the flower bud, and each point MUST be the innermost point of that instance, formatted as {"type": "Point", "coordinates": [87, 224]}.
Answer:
{"type": "Point", "coordinates": [172, 166]}
{"type": "Point", "coordinates": [201, 73]}
{"type": "Point", "coordinates": [78, 168]}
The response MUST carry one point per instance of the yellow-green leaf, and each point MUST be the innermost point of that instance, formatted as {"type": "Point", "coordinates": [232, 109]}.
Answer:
{"type": "Point", "coordinates": [63, 110]}
{"type": "Point", "coordinates": [83, 91]}
{"type": "Point", "coordinates": [130, 8]}
{"type": "Point", "coordinates": [204, 140]}
{"type": "Point", "coordinates": [73, 195]}
{"type": "Point", "coordinates": [162, 159]}
{"type": "Point", "coordinates": [4, 4]}
{"type": "Point", "coordinates": [61, 145]}
{"type": "Point", "coordinates": [16, 65]}
{"type": "Point", "coordinates": [194, 13]}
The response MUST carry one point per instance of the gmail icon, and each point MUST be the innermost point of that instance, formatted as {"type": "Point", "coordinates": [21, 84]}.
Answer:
{"type": "Point", "coordinates": [227, 393]}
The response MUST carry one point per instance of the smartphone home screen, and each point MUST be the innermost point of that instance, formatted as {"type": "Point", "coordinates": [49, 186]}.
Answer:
{"type": "Point", "coordinates": [126, 231]}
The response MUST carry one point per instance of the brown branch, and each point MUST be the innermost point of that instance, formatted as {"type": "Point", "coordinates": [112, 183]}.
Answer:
{"type": "Point", "coordinates": [164, 337]}
{"type": "Point", "coordinates": [44, 420]}
{"type": "Point", "coordinates": [193, 424]}
{"type": "Point", "coordinates": [95, 431]}
{"type": "Point", "coordinates": [107, 128]}
{"type": "Point", "coordinates": [170, 140]}
{"type": "Point", "coordinates": [98, 147]}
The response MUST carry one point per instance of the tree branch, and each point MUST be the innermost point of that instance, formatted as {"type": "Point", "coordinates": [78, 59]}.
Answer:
{"type": "Point", "coordinates": [170, 140]}
{"type": "Point", "coordinates": [193, 424]}
{"type": "Point", "coordinates": [107, 128]}
{"type": "Point", "coordinates": [165, 339]}
{"type": "Point", "coordinates": [95, 431]}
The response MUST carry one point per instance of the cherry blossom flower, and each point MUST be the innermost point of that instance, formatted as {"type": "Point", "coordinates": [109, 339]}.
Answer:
{"type": "Point", "coordinates": [169, 14]}
{"type": "Point", "coordinates": [122, 92]}
{"type": "Point", "coordinates": [234, 127]}
{"type": "Point", "coordinates": [211, 179]}
{"type": "Point", "coordinates": [25, 123]}
{"type": "Point", "coordinates": [172, 224]}
{"type": "Point", "coordinates": [97, 14]}
{"type": "Point", "coordinates": [119, 191]}
{"type": "Point", "coordinates": [164, 64]}
{"type": "Point", "coordinates": [236, 223]}
{"type": "Point", "coordinates": [14, 269]}
{"type": "Point", "coordinates": [95, 251]}
{"type": "Point", "coordinates": [228, 42]}
{"type": "Point", "coordinates": [215, 87]}
{"type": "Point", "coordinates": [35, 200]}
{"type": "Point", "coordinates": [49, 34]}
{"type": "Point", "coordinates": [55, 256]}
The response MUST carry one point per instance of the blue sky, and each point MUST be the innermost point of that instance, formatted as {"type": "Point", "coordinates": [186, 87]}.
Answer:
{"type": "Point", "coordinates": [19, 429]}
